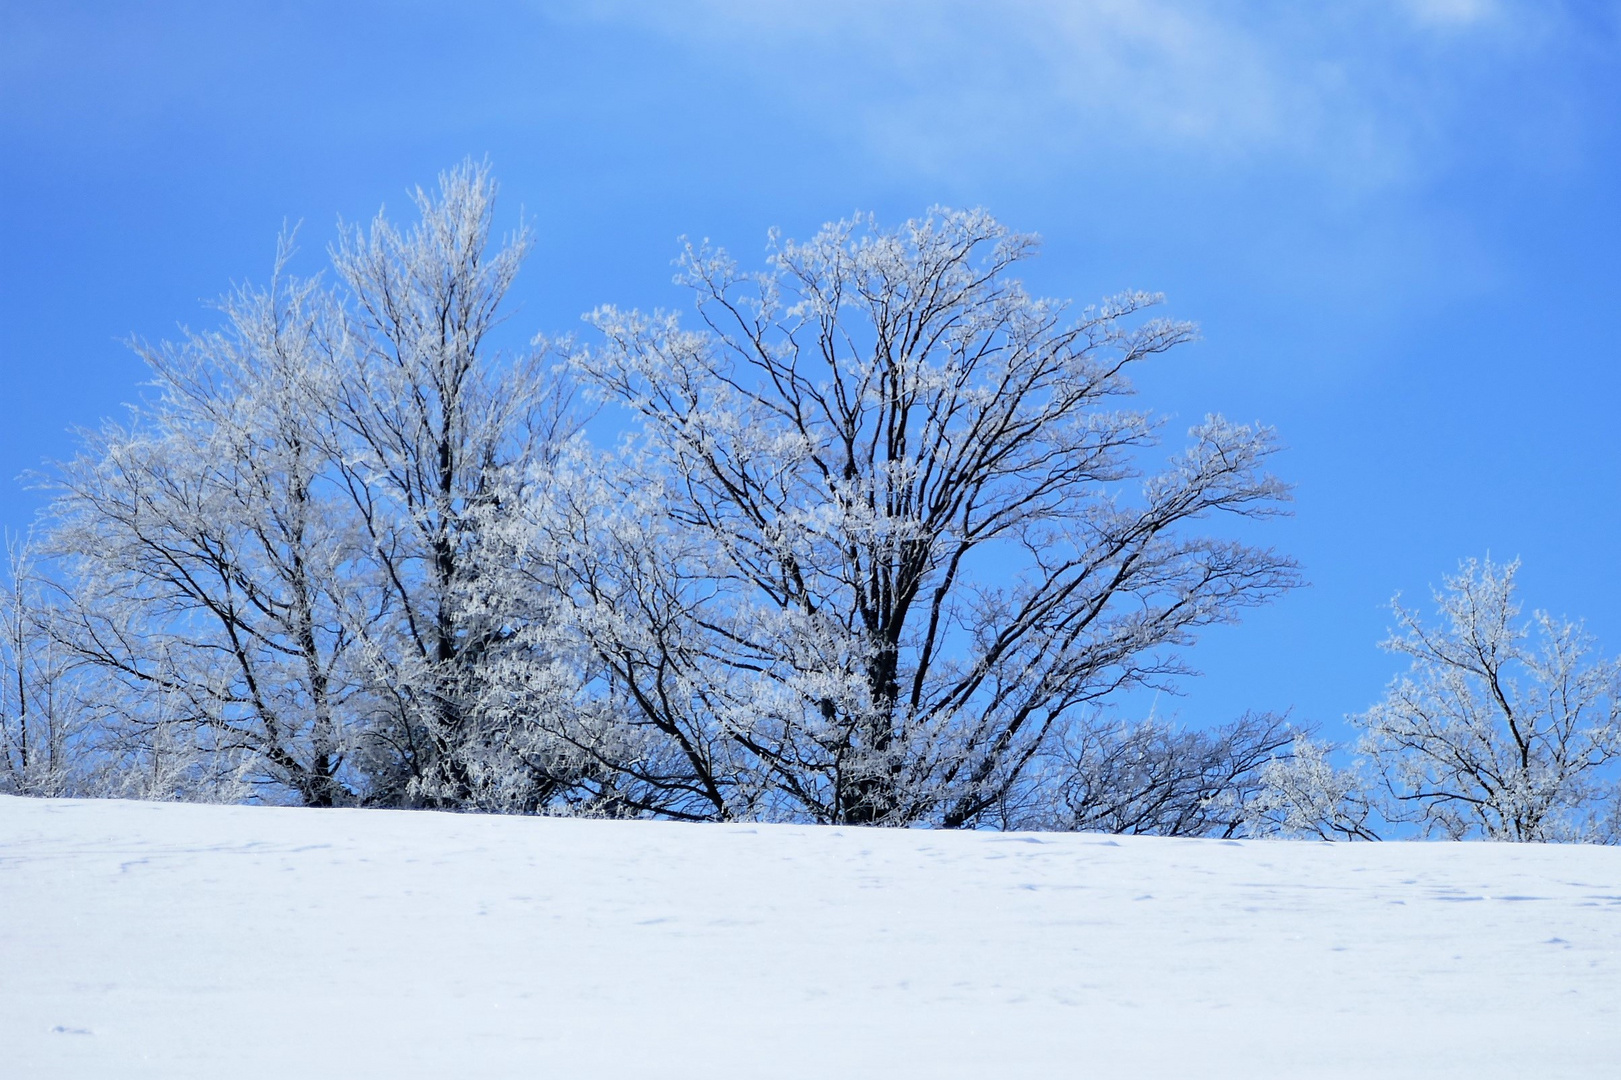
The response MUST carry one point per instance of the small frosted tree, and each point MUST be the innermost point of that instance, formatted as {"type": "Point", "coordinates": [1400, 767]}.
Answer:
{"type": "Point", "coordinates": [1302, 794]}
{"type": "Point", "coordinates": [45, 727]}
{"type": "Point", "coordinates": [1503, 729]}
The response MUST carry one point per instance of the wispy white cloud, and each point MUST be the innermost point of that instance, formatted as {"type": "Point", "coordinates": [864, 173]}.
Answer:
{"type": "Point", "coordinates": [1358, 93]}
{"type": "Point", "coordinates": [1453, 12]}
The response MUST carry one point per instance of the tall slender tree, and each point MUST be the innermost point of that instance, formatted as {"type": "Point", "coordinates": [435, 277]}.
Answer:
{"type": "Point", "coordinates": [424, 422]}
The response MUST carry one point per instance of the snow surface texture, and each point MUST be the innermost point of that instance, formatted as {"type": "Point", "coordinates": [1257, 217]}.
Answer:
{"type": "Point", "coordinates": [148, 940]}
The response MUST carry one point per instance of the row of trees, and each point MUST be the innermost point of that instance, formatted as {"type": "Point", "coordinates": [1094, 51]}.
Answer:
{"type": "Point", "coordinates": [887, 542]}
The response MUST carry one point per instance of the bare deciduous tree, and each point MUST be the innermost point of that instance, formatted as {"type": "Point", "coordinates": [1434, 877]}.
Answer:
{"type": "Point", "coordinates": [425, 421]}
{"type": "Point", "coordinates": [890, 531]}
{"type": "Point", "coordinates": [1302, 794]}
{"type": "Point", "coordinates": [1490, 734]}
{"type": "Point", "coordinates": [210, 561]}
{"type": "Point", "coordinates": [45, 727]}
{"type": "Point", "coordinates": [278, 552]}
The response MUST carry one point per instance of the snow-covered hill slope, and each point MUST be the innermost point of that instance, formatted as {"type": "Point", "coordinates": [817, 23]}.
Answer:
{"type": "Point", "coordinates": [143, 940]}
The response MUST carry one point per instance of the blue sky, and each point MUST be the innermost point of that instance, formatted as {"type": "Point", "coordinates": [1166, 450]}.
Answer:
{"type": "Point", "coordinates": [1397, 223]}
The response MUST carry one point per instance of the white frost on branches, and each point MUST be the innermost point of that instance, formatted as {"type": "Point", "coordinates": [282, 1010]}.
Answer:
{"type": "Point", "coordinates": [888, 540]}
{"type": "Point", "coordinates": [274, 559]}
{"type": "Point", "coordinates": [1502, 728]}
{"type": "Point", "coordinates": [1301, 794]}
{"type": "Point", "coordinates": [891, 531]}
{"type": "Point", "coordinates": [886, 545]}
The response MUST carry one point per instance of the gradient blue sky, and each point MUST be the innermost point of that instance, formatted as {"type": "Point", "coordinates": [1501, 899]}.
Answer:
{"type": "Point", "coordinates": [1397, 222]}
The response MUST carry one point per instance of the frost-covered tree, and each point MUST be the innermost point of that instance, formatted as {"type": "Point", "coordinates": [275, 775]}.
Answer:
{"type": "Point", "coordinates": [1302, 794]}
{"type": "Point", "coordinates": [45, 727]}
{"type": "Point", "coordinates": [891, 526]}
{"type": "Point", "coordinates": [276, 556]}
{"type": "Point", "coordinates": [210, 562]}
{"type": "Point", "coordinates": [427, 424]}
{"type": "Point", "coordinates": [1503, 729]}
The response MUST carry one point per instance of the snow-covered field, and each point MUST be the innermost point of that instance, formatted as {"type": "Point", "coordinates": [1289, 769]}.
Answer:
{"type": "Point", "coordinates": [149, 940]}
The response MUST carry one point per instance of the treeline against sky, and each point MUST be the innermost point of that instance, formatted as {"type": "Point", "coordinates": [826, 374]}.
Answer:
{"type": "Point", "coordinates": [888, 541]}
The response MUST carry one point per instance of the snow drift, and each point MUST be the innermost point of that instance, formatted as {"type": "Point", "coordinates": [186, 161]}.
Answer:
{"type": "Point", "coordinates": [160, 940]}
